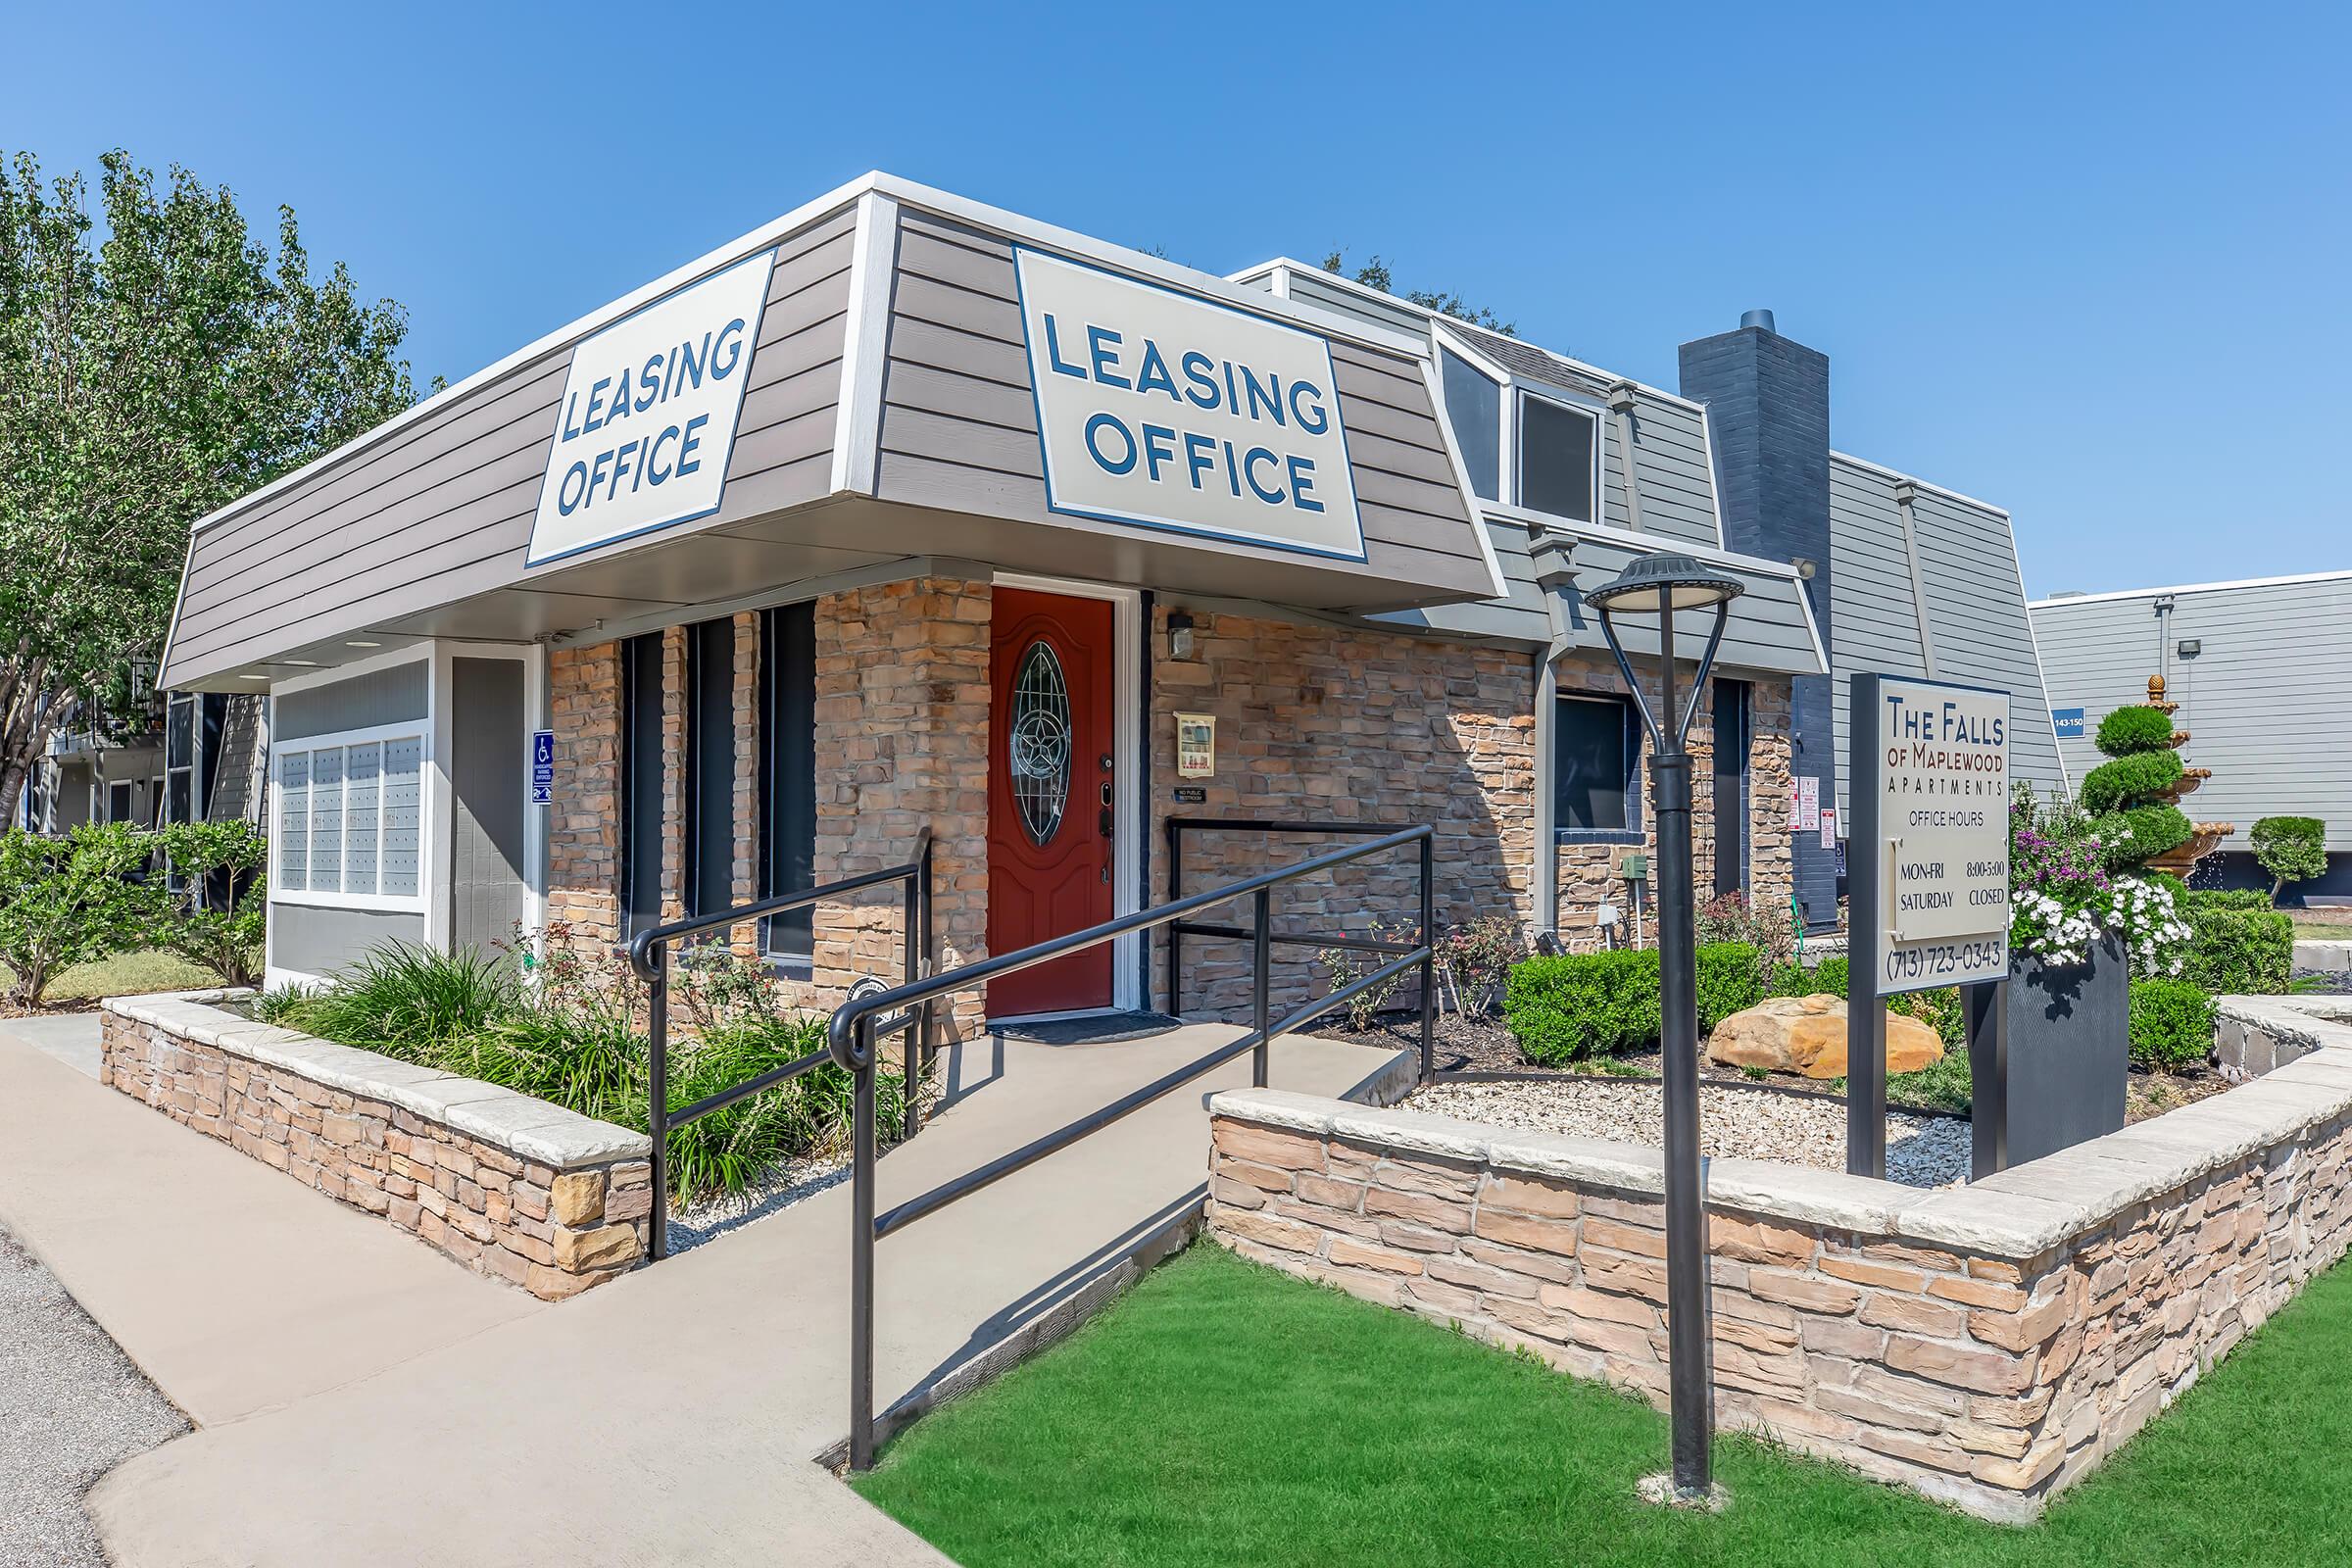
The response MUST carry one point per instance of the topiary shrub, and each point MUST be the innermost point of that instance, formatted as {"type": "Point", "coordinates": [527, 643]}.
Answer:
{"type": "Point", "coordinates": [2171, 1025]}
{"type": "Point", "coordinates": [2292, 849]}
{"type": "Point", "coordinates": [2136, 728]}
{"type": "Point", "coordinates": [2110, 784]}
{"type": "Point", "coordinates": [1582, 1005]}
{"type": "Point", "coordinates": [2134, 837]}
{"type": "Point", "coordinates": [2237, 952]}
{"type": "Point", "coordinates": [2227, 898]}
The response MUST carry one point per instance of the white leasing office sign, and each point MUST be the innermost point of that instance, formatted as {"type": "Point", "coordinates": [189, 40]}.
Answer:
{"type": "Point", "coordinates": [1941, 796]}
{"type": "Point", "coordinates": [1166, 411]}
{"type": "Point", "coordinates": [648, 413]}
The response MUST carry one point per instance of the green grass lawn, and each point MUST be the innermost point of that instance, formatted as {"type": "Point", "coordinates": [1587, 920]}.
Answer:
{"type": "Point", "coordinates": [126, 974]}
{"type": "Point", "coordinates": [2322, 925]}
{"type": "Point", "coordinates": [1224, 1414]}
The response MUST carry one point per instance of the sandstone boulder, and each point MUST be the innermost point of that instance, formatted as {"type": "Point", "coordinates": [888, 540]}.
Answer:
{"type": "Point", "coordinates": [1807, 1035]}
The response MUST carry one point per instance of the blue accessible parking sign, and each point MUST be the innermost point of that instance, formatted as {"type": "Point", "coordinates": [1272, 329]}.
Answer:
{"type": "Point", "coordinates": [543, 767]}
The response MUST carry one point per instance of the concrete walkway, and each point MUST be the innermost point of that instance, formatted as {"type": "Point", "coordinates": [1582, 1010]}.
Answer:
{"type": "Point", "coordinates": [233, 1288]}
{"type": "Point", "coordinates": [672, 1416]}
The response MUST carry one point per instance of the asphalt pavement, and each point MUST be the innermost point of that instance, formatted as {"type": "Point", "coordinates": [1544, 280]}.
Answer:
{"type": "Point", "coordinates": [71, 1407]}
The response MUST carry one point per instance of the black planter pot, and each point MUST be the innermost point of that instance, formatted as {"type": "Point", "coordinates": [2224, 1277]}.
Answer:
{"type": "Point", "coordinates": [2049, 1071]}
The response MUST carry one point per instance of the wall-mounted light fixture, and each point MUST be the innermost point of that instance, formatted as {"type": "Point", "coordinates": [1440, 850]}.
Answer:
{"type": "Point", "coordinates": [1805, 567]}
{"type": "Point", "coordinates": [2191, 647]}
{"type": "Point", "coordinates": [1179, 634]}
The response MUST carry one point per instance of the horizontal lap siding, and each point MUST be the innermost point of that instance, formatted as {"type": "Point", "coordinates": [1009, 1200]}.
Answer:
{"type": "Point", "coordinates": [2258, 701]}
{"type": "Point", "coordinates": [959, 419]}
{"type": "Point", "coordinates": [1975, 606]}
{"type": "Point", "coordinates": [443, 511]}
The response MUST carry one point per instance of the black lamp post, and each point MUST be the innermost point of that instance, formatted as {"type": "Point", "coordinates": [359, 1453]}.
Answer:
{"type": "Point", "coordinates": [1659, 585]}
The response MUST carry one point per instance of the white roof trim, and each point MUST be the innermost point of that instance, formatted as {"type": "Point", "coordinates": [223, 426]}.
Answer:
{"type": "Point", "coordinates": [1943, 490]}
{"type": "Point", "coordinates": [2190, 588]}
{"type": "Point", "coordinates": [907, 193]}
{"type": "Point", "coordinates": [1342, 281]}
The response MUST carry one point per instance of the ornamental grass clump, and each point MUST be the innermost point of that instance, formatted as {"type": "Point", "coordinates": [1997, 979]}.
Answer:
{"type": "Point", "coordinates": [571, 1033]}
{"type": "Point", "coordinates": [2064, 896]}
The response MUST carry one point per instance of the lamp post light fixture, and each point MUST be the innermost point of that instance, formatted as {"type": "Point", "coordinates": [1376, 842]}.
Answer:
{"type": "Point", "coordinates": [1657, 586]}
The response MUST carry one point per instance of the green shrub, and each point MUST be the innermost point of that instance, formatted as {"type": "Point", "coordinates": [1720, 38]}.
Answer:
{"type": "Point", "coordinates": [1730, 977]}
{"type": "Point", "coordinates": [2135, 728]}
{"type": "Point", "coordinates": [72, 900]}
{"type": "Point", "coordinates": [2227, 898]}
{"type": "Point", "coordinates": [2292, 849]}
{"type": "Point", "coordinates": [2234, 951]}
{"type": "Point", "coordinates": [2140, 834]}
{"type": "Point", "coordinates": [2111, 784]}
{"type": "Point", "coordinates": [216, 918]}
{"type": "Point", "coordinates": [1579, 1004]}
{"type": "Point", "coordinates": [2172, 1024]}
{"type": "Point", "coordinates": [1795, 980]}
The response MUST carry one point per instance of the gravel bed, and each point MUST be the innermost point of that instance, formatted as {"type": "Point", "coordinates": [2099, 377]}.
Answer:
{"type": "Point", "coordinates": [785, 1186]}
{"type": "Point", "coordinates": [72, 1408]}
{"type": "Point", "coordinates": [1734, 1122]}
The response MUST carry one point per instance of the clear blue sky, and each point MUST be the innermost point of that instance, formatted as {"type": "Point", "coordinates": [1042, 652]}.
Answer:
{"type": "Point", "coordinates": [2090, 262]}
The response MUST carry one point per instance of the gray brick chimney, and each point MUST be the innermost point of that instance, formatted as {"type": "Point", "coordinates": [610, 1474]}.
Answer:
{"type": "Point", "coordinates": [1768, 401]}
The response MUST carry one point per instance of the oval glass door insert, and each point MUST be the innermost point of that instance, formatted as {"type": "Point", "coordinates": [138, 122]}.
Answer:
{"type": "Point", "coordinates": [1039, 739]}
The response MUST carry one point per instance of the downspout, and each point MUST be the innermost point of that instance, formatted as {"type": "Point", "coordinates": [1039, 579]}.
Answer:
{"type": "Point", "coordinates": [1620, 404]}
{"type": "Point", "coordinates": [1553, 559]}
{"type": "Point", "coordinates": [1905, 493]}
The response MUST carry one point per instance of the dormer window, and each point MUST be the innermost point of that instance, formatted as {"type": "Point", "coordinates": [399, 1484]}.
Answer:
{"type": "Point", "coordinates": [1558, 449]}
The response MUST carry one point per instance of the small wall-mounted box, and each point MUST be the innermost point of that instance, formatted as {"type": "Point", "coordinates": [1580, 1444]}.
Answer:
{"type": "Point", "coordinates": [1632, 866]}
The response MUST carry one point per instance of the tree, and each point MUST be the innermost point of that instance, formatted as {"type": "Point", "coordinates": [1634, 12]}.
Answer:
{"type": "Point", "coordinates": [148, 374]}
{"type": "Point", "coordinates": [2292, 849]}
{"type": "Point", "coordinates": [1374, 273]}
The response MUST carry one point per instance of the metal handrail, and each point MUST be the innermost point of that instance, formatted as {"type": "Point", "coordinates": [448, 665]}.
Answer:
{"type": "Point", "coordinates": [854, 1026]}
{"type": "Point", "coordinates": [649, 956]}
{"type": "Point", "coordinates": [1177, 826]}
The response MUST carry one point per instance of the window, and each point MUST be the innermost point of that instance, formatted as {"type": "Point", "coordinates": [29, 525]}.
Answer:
{"type": "Point", "coordinates": [350, 819]}
{"type": "Point", "coordinates": [1731, 736]}
{"type": "Point", "coordinates": [118, 802]}
{"type": "Point", "coordinates": [1558, 447]}
{"type": "Point", "coordinates": [709, 835]}
{"type": "Point", "coordinates": [640, 783]}
{"type": "Point", "coordinates": [179, 758]}
{"type": "Point", "coordinates": [1474, 411]}
{"type": "Point", "coordinates": [1595, 753]}
{"type": "Point", "coordinates": [788, 774]}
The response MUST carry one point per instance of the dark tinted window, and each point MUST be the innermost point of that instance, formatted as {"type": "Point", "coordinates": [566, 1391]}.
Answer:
{"type": "Point", "coordinates": [1555, 458]}
{"type": "Point", "coordinates": [641, 782]}
{"type": "Point", "coordinates": [1474, 408]}
{"type": "Point", "coordinates": [711, 766]}
{"type": "Point", "coordinates": [1592, 760]}
{"type": "Point", "coordinates": [788, 769]}
{"type": "Point", "coordinates": [1731, 740]}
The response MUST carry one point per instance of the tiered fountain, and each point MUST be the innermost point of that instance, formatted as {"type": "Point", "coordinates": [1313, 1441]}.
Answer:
{"type": "Point", "coordinates": [2204, 836]}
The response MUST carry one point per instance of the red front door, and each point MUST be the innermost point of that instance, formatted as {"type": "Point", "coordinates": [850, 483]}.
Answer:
{"type": "Point", "coordinates": [1051, 673]}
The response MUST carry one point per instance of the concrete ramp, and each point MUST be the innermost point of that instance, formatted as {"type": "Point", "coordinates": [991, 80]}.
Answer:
{"type": "Point", "coordinates": [672, 1416]}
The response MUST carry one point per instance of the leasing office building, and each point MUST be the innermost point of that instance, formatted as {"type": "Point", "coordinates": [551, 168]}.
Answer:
{"type": "Point", "coordinates": [909, 512]}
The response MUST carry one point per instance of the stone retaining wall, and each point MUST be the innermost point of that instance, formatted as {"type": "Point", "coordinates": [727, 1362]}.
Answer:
{"type": "Point", "coordinates": [1985, 1345]}
{"type": "Point", "coordinates": [513, 1186]}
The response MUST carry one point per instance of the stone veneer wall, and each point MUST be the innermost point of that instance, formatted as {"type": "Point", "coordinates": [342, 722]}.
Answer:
{"type": "Point", "coordinates": [1985, 1345]}
{"type": "Point", "coordinates": [901, 743]}
{"type": "Point", "coordinates": [902, 737]}
{"type": "Point", "coordinates": [1327, 722]}
{"type": "Point", "coordinates": [513, 1186]}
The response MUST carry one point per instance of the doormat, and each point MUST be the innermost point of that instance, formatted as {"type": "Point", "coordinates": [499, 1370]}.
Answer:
{"type": "Point", "coordinates": [1099, 1029]}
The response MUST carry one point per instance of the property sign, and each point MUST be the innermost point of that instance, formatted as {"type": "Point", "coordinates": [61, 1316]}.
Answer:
{"type": "Point", "coordinates": [1166, 411]}
{"type": "Point", "coordinates": [1939, 777]}
{"type": "Point", "coordinates": [1808, 804]}
{"type": "Point", "coordinates": [2067, 721]}
{"type": "Point", "coordinates": [648, 418]}
{"type": "Point", "coordinates": [543, 767]}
